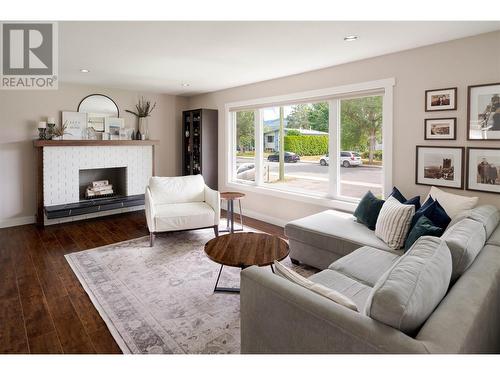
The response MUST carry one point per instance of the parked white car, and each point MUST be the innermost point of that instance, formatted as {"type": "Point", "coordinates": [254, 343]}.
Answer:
{"type": "Point", "coordinates": [347, 159]}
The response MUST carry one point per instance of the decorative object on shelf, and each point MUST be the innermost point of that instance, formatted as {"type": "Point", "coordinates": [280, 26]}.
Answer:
{"type": "Point", "coordinates": [440, 128]}
{"type": "Point", "coordinates": [59, 132]}
{"type": "Point", "coordinates": [142, 112]}
{"type": "Point", "coordinates": [51, 124]}
{"type": "Point", "coordinates": [127, 134]}
{"type": "Point", "coordinates": [76, 124]}
{"type": "Point", "coordinates": [138, 135]}
{"type": "Point", "coordinates": [42, 130]}
{"type": "Point", "coordinates": [440, 166]}
{"type": "Point", "coordinates": [98, 107]}
{"type": "Point", "coordinates": [441, 99]}
{"type": "Point", "coordinates": [91, 134]}
{"type": "Point", "coordinates": [483, 169]}
{"type": "Point", "coordinates": [483, 112]}
{"type": "Point", "coordinates": [114, 126]}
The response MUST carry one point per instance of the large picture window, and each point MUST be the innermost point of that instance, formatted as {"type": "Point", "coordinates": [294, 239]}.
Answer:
{"type": "Point", "coordinates": [332, 148]}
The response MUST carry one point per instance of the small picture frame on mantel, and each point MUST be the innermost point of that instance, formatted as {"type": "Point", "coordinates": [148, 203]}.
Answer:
{"type": "Point", "coordinates": [441, 99]}
{"type": "Point", "coordinates": [76, 123]}
{"type": "Point", "coordinates": [440, 128]}
{"type": "Point", "coordinates": [114, 126]}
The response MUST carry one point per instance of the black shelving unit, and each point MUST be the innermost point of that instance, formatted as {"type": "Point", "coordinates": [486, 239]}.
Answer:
{"type": "Point", "coordinates": [199, 144]}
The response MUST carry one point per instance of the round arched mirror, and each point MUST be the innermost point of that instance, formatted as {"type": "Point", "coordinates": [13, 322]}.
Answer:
{"type": "Point", "coordinates": [98, 107]}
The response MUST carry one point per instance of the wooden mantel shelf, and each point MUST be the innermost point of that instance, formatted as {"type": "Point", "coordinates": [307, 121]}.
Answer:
{"type": "Point", "coordinates": [42, 143]}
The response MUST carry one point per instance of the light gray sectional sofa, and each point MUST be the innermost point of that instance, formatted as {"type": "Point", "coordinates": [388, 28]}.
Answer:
{"type": "Point", "coordinates": [441, 296]}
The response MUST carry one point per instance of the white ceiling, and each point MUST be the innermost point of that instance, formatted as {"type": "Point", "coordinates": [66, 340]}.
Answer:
{"type": "Point", "coordinates": [210, 56]}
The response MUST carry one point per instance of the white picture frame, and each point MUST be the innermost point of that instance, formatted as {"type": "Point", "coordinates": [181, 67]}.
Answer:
{"type": "Point", "coordinates": [114, 126]}
{"type": "Point", "coordinates": [76, 124]}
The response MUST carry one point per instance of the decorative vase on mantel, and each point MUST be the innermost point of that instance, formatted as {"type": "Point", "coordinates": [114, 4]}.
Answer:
{"type": "Point", "coordinates": [144, 127]}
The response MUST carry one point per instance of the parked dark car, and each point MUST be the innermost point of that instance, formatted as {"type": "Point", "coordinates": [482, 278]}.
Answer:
{"type": "Point", "coordinates": [290, 157]}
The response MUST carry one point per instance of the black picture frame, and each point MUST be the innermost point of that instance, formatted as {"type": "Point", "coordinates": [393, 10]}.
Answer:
{"type": "Point", "coordinates": [469, 90]}
{"type": "Point", "coordinates": [453, 107]}
{"type": "Point", "coordinates": [426, 122]}
{"type": "Point", "coordinates": [469, 165]}
{"type": "Point", "coordinates": [462, 162]}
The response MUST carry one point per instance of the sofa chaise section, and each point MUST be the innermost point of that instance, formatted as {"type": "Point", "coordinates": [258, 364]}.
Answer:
{"type": "Point", "coordinates": [320, 239]}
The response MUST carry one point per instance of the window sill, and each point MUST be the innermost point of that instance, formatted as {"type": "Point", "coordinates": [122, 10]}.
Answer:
{"type": "Point", "coordinates": [322, 201]}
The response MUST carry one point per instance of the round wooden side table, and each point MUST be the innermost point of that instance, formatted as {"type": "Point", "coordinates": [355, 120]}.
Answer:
{"type": "Point", "coordinates": [230, 197]}
{"type": "Point", "coordinates": [244, 250]}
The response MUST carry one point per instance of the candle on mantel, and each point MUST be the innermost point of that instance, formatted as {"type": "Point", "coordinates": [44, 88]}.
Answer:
{"type": "Point", "coordinates": [42, 125]}
{"type": "Point", "coordinates": [51, 120]}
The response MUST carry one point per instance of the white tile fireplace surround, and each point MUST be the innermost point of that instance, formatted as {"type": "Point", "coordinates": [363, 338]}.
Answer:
{"type": "Point", "coordinates": [62, 166]}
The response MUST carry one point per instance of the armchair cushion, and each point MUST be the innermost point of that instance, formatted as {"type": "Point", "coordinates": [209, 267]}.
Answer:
{"type": "Point", "coordinates": [185, 189]}
{"type": "Point", "coordinates": [181, 216]}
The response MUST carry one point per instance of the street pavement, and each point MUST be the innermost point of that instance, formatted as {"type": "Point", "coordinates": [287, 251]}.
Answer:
{"type": "Point", "coordinates": [354, 181]}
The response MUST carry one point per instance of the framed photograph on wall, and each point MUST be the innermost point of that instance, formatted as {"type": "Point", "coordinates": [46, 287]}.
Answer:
{"type": "Point", "coordinates": [441, 100]}
{"type": "Point", "coordinates": [483, 169]}
{"type": "Point", "coordinates": [483, 112]}
{"type": "Point", "coordinates": [76, 123]}
{"type": "Point", "coordinates": [440, 128]}
{"type": "Point", "coordinates": [440, 166]}
{"type": "Point", "coordinates": [114, 126]}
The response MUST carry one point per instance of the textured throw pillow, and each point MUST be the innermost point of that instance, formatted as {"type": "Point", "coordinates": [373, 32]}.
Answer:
{"type": "Point", "coordinates": [433, 211]}
{"type": "Point", "coordinates": [401, 198]}
{"type": "Point", "coordinates": [368, 210]}
{"type": "Point", "coordinates": [393, 222]}
{"type": "Point", "coordinates": [423, 227]}
{"type": "Point", "coordinates": [322, 290]}
{"type": "Point", "coordinates": [453, 203]}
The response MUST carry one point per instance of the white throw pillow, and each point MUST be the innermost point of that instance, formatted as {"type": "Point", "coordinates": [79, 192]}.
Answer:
{"type": "Point", "coordinates": [322, 290]}
{"type": "Point", "coordinates": [393, 222]}
{"type": "Point", "coordinates": [453, 204]}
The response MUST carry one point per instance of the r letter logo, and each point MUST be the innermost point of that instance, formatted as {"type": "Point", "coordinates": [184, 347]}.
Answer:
{"type": "Point", "coordinates": [29, 56]}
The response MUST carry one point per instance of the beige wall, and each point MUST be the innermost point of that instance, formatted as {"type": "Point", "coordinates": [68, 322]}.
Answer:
{"type": "Point", "coordinates": [20, 111]}
{"type": "Point", "coordinates": [458, 63]}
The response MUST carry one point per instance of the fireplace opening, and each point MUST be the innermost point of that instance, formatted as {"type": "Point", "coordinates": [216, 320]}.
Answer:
{"type": "Point", "coordinates": [98, 183]}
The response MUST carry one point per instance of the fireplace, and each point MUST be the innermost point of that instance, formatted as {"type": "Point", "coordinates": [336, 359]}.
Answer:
{"type": "Point", "coordinates": [66, 168]}
{"type": "Point", "coordinates": [116, 178]}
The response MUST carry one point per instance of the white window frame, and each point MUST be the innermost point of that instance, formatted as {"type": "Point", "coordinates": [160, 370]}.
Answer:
{"type": "Point", "coordinates": [333, 95]}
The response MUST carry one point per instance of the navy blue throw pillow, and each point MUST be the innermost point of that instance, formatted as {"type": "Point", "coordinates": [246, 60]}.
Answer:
{"type": "Point", "coordinates": [423, 227]}
{"type": "Point", "coordinates": [432, 210]}
{"type": "Point", "coordinates": [368, 209]}
{"type": "Point", "coordinates": [401, 198]}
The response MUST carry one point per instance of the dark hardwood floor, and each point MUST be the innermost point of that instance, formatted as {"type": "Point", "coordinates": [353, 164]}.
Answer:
{"type": "Point", "coordinates": [43, 307]}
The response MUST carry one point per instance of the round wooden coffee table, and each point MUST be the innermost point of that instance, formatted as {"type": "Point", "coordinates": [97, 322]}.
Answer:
{"type": "Point", "coordinates": [230, 197]}
{"type": "Point", "coordinates": [244, 250]}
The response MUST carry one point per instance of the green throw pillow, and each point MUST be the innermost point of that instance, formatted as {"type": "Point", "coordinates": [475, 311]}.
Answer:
{"type": "Point", "coordinates": [423, 227]}
{"type": "Point", "coordinates": [368, 209]}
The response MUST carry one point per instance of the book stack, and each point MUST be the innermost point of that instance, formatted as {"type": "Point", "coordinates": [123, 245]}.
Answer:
{"type": "Point", "coordinates": [99, 189]}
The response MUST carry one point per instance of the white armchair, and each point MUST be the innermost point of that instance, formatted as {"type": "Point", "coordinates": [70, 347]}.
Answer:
{"type": "Point", "coordinates": [181, 203]}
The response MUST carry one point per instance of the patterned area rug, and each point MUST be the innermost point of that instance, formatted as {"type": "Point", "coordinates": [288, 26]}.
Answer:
{"type": "Point", "coordinates": [160, 299]}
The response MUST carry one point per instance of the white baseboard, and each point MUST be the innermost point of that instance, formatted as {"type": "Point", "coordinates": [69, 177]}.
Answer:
{"type": "Point", "coordinates": [5, 223]}
{"type": "Point", "coordinates": [264, 217]}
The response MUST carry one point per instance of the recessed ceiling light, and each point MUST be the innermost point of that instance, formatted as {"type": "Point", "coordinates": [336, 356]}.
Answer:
{"type": "Point", "coordinates": [185, 84]}
{"type": "Point", "coordinates": [350, 38]}
{"type": "Point", "coordinates": [84, 71]}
